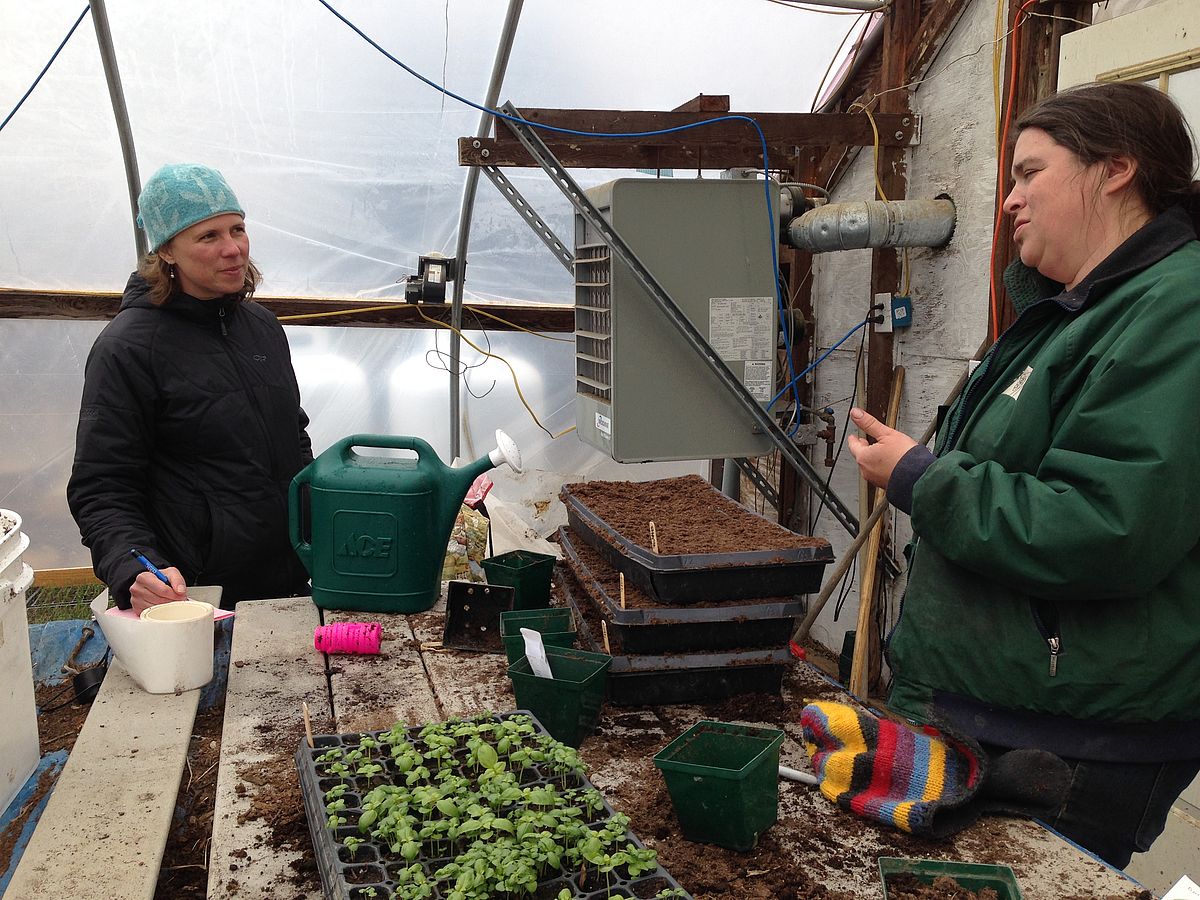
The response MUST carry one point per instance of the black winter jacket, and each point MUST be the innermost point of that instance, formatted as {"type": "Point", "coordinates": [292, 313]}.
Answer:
{"type": "Point", "coordinates": [190, 431]}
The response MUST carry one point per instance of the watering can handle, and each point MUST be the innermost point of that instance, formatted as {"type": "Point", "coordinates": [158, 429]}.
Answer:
{"type": "Point", "coordinates": [302, 547]}
{"type": "Point", "coordinates": [385, 441]}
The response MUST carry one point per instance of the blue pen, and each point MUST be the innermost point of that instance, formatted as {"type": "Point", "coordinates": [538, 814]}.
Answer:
{"type": "Point", "coordinates": [149, 566]}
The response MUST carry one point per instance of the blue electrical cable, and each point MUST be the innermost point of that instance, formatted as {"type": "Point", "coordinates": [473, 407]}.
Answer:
{"type": "Point", "coordinates": [46, 69]}
{"type": "Point", "coordinates": [845, 337]}
{"type": "Point", "coordinates": [783, 317]}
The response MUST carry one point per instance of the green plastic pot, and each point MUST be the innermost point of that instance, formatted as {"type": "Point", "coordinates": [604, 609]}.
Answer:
{"type": "Point", "coordinates": [556, 626]}
{"type": "Point", "coordinates": [972, 876]}
{"type": "Point", "coordinates": [567, 705]}
{"type": "Point", "coordinates": [724, 782]}
{"type": "Point", "coordinates": [527, 572]}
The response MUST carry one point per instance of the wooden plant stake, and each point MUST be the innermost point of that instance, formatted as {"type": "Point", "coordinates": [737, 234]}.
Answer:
{"type": "Point", "coordinates": [860, 662]}
{"type": "Point", "coordinates": [604, 634]}
{"type": "Point", "coordinates": [653, 538]}
{"type": "Point", "coordinates": [307, 725]}
{"type": "Point", "coordinates": [621, 575]}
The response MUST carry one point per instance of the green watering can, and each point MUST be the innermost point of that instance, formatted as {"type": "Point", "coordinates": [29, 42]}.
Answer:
{"type": "Point", "coordinates": [379, 525]}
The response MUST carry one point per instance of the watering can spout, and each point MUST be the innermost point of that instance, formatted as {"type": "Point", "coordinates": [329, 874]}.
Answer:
{"type": "Point", "coordinates": [506, 452]}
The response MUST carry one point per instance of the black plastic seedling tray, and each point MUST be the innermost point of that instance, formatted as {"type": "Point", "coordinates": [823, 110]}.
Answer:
{"type": "Point", "coordinates": [372, 871]}
{"type": "Point", "coordinates": [689, 629]}
{"type": "Point", "coordinates": [692, 578]}
{"type": "Point", "coordinates": [637, 680]}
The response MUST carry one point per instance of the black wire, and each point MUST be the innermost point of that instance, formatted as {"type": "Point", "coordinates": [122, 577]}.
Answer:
{"type": "Point", "coordinates": [812, 526]}
{"type": "Point", "coordinates": [463, 367]}
{"type": "Point", "coordinates": [844, 589]}
{"type": "Point", "coordinates": [46, 68]}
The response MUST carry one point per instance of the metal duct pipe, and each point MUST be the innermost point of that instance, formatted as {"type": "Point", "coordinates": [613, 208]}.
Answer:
{"type": "Point", "coordinates": [873, 223]}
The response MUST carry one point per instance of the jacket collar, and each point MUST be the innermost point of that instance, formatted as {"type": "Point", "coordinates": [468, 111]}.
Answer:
{"type": "Point", "coordinates": [1154, 241]}
{"type": "Point", "coordinates": [137, 294]}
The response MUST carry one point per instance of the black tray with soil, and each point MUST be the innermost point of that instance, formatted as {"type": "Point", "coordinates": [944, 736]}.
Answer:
{"type": "Point", "coordinates": [709, 547]}
{"type": "Point", "coordinates": [636, 680]}
{"type": "Point", "coordinates": [644, 626]}
{"type": "Point", "coordinates": [354, 865]}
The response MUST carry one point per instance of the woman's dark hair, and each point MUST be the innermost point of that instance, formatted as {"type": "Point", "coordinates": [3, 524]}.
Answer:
{"type": "Point", "coordinates": [157, 272]}
{"type": "Point", "coordinates": [1106, 119]}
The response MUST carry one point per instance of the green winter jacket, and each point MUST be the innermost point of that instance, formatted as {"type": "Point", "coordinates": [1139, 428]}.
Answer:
{"type": "Point", "coordinates": [1053, 596]}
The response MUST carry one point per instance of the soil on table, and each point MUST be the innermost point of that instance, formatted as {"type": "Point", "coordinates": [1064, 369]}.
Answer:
{"type": "Point", "coordinates": [690, 516]}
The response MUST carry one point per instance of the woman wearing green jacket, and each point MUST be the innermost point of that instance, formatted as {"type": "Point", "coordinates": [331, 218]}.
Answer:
{"type": "Point", "coordinates": [1053, 598]}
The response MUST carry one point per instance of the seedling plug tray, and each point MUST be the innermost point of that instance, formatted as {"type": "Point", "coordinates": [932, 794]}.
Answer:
{"type": "Point", "coordinates": [440, 812]}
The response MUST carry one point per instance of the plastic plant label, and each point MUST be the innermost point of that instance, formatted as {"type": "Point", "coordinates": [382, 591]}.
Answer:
{"type": "Point", "coordinates": [1183, 889]}
{"type": "Point", "coordinates": [535, 652]}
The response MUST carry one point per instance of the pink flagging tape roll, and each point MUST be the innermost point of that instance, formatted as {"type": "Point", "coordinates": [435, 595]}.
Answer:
{"type": "Point", "coordinates": [348, 637]}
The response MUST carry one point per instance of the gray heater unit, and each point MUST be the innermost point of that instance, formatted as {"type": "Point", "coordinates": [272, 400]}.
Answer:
{"type": "Point", "coordinates": [641, 392]}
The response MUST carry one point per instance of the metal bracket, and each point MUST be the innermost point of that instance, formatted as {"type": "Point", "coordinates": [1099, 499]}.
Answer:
{"type": "Point", "coordinates": [787, 449]}
{"type": "Point", "coordinates": [510, 193]}
{"type": "Point", "coordinates": [764, 487]}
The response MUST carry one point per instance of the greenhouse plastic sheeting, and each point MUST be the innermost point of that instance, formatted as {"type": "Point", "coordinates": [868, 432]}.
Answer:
{"type": "Point", "coordinates": [347, 168]}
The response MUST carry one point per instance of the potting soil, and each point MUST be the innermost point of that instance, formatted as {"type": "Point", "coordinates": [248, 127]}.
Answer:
{"type": "Point", "coordinates": [690, 516]}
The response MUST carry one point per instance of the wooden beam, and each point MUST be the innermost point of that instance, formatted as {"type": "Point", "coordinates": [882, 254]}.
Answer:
{"type": "Point", "coordinates": [721, 145]}
{"type": "Point", "coordinates": [75, 577]}
{"type": "Point", "coordinates": [718, 103]}
{"type": "Point", "coordinates": [100, 305]}
{"type": "Point", "coordinates": [935, 26]}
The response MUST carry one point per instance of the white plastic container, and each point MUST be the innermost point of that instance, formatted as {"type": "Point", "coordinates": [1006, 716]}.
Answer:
{"type": "Point", "coordinates": [19, 749]}
{"type": "Point", "coordinates": [169, 648]}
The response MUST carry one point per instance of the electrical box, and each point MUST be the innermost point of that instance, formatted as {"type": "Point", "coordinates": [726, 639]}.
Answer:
{"type": "Point", "coordinates": [642, 392]}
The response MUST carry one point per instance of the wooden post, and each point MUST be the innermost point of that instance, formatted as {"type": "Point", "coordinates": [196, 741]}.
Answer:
{"type": "Point", "coordinates": [869, 567]}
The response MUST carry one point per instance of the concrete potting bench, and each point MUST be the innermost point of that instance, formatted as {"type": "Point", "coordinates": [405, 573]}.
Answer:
{"type": "Point", "coordinates": [275, 668]}
{"type": "Point", "coordinates": [103, 831]}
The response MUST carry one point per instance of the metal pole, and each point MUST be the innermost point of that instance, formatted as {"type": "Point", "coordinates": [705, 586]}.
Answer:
{"type": "Point", "coordinates": [499, 66]}
{"type": "Point", "coordinates": [113, 77]}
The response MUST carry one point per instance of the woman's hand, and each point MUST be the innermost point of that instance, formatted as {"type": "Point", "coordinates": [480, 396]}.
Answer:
{"type": "Point", "coordinates": [877, 458]}
{"type": "Point", "coordinates": [147, 591]}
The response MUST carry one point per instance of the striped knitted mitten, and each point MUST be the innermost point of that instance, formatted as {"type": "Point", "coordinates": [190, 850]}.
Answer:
{"type": "Point", "coordinates": [920, 781]}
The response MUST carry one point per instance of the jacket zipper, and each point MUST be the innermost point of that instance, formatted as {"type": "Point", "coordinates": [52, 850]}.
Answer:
{"type": "Point", "coordinates": [1047, 626]}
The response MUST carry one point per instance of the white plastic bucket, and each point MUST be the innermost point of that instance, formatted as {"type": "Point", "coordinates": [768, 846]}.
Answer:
{"type": "Point", "coordinates": [168, 649]}
{"type": "Point", "coordinates": [19, 751]}
{"type": "Point", "coordinates": [13, 544]}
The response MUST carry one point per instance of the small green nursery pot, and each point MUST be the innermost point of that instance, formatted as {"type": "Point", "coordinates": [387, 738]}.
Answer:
{"type": "Point", "coordinates": [724, 782]}
{"type": "Point", "coordinates": [527, 572]}
{"type": "Point", "coordinates": [972, 876]}
{"type": "Point", "coordinates": [556, 626]}
{"type": "Point", "coordinates": [567, 705]}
